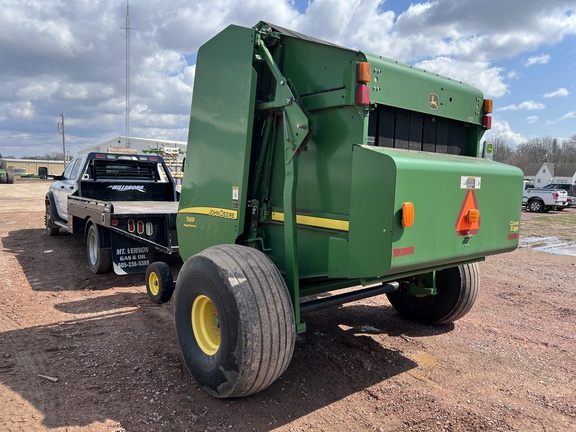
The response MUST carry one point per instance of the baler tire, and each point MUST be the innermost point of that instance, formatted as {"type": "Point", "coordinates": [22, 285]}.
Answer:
{"type": "Point", "coordinates": [234, 320]}
{"type": "Point", "coordinates": [457, 289]}
{"type": "Point", "coordinates": [99, 258]}
{"type": "Point", "coordinates": [9, 178]}
{"type": "Point", "coordinates": [159, 282]}
{"type": "Point", "coordinates": [51, 229]}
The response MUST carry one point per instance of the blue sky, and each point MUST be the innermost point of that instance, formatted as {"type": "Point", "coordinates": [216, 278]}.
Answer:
{"type": "Point", "coordinates": [69, 57]}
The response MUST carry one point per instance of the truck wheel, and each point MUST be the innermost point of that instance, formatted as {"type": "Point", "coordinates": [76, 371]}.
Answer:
{"type": "Point", "coordinates": [159, 282]}
{"type": "Point", "coordinates": [51, 229]}
{"type": "Point", "coordinates": [99, 259]}
{"type": "Point", "coordinates": [9, 178]}
{"type": "Point", "coordinates": [3, 178]}
{"type": "Point", "coordinates": [234, 320]}
{"type": "Point", "coordinates": [457, 290]}
{"type": "Point", "coordinates": [536, 206]}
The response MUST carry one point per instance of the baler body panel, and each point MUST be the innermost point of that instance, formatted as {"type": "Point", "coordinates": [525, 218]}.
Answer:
{"type": "Point", "coordinates": [213, 198]}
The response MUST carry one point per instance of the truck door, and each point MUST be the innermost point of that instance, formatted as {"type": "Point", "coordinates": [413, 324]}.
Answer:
{"type": "Point", "coordinates": [66, 185]}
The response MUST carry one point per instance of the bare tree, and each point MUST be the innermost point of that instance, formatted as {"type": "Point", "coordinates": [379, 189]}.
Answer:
{"type": "Point", "coordinates": [502, 151]}
{"type": "Point", "coordinates": [538, 150]}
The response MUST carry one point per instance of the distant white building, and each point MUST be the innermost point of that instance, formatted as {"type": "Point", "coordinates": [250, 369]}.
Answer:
{"type": "Point", "coordinates": [173, 152]}
{"type": "Point", "coordinates": [140, 145]}
{"type": "Point", "coordinates": [551, 173]}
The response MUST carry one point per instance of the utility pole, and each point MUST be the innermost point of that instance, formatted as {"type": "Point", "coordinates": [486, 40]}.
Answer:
{"type": "Point", "coordinates": [61, 129]}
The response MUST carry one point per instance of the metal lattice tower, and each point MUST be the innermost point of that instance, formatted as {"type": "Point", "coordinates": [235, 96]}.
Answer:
{"type": "Point", "coordinates": [127, 126]}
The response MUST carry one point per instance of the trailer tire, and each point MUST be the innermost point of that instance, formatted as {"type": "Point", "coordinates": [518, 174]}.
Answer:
{"type": "Point", "coordinates": [234, 320]}
{"type": "Point", "coordinates": [99, 258]}
{"type": "Point", "coordinates": [51, 229]}
{"type": "Point", "coordinates": [457, 291]}
{"type": "Point", "coordinates": [159, 282]}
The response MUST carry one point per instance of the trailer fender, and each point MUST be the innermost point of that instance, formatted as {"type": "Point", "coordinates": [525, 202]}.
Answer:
{"type": "Point", "coordinates": [50, 200]}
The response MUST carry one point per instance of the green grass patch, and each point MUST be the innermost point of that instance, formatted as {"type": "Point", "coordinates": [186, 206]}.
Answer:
{"type": "Point", "coordinates": [557, 224]}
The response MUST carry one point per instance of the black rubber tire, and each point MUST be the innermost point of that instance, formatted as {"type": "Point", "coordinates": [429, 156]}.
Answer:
{"type": "Point", "coordinates": [3, 178]}
{"type": "Point", "coordinates": [51, 229]}
{"type": "Point", "coordinates": [9, 178]}
{"type": "Point", "coordinates": [252, 316]}
{"type": "Point", "coordinates": [536, 206]}
{"type": "Point", "coordinates": [99, 258]}
{"type": "Point", "coordinates": [457, 291]}
{"type": "Point", "coordinates": [159, 282]}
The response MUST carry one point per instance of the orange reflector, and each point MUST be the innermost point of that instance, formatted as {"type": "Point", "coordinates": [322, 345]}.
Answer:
{"type": "Point", "coordinates": [487, 106]}
{"type": "Point", "coordinates": [364, 72]}
{"type": "Point", "coordinates": [473, 215]}
{"type": "Point", "coordinates": [407, 214]}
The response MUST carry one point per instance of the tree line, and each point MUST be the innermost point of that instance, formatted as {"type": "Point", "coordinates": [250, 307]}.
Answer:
{"type": "Point", "coordinates": [54, 156]}
{"type": "Point", "coordinates": [535, 151]}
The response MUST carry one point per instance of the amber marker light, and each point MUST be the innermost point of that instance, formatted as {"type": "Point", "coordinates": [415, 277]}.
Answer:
{"type": "Point", "coordinates": [488, 106]}
{"type": "Point", "coordinates": [473, 215]}
{"type": "Point", "coordinates": [364, 72]}
{"type": "Point", "coordinates": [407, 214]}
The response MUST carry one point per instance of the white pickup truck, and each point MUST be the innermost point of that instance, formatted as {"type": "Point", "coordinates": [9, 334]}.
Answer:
{"type": "Point", "coordinates": [125, 206]}
{"type": "Point", "coordinates": [543, 199]}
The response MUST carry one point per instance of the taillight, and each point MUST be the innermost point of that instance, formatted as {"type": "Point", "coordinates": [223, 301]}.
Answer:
{"type": "Point", "coordinates": [363, 76]}
{"type": "Point", "coordinates": [131, 225]}
{"type": "Point", "coordinates": [140, 227]}
{"type": "Point", "coordinates": [362, 95]}
{"type": "Point", "coordinates": [487, 122]}
{"type": "Point", "coordinates": [363, 72]}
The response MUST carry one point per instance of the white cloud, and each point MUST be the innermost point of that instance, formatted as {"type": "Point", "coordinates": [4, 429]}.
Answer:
{"type": "Point", "coordinates": [526, 105]}
{"type": "Point", "coordinates": [478, 74]}
{"type": "Point", "coordinates": [537, 60]}
{"type": "Point", "coordinates": [502, 129]}
{"type": "Point", "coordinates": [560, 92]}
{"type": "Point", "coordinates": [569, 115]}
{"type": "Point", "coordinates": [69, 56]}
{"type": "Point", "coordinates": [532, 119]}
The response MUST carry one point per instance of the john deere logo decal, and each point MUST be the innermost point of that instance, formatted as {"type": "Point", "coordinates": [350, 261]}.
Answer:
{"type": "Point", "coordinates": [433, 101]}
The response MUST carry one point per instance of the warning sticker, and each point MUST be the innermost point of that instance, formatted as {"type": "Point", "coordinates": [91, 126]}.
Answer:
{"type": "Point", "coordinates": [235, 194]}
{"type": "Point", "coordinates": [470, 182]}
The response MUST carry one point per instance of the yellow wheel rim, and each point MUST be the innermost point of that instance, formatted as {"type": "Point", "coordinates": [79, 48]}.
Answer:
{"type": "Point", "coordinates": [154, 283]}
{"type": "Point", "coordinates": [205, 325]}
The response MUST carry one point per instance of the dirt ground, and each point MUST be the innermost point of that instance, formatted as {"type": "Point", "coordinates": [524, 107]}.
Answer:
{"type": "Point", "coordinates": [84, 352]}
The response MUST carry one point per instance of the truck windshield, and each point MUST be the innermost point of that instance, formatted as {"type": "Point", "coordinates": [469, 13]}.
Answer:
{"type": "Point", "coordinates": [556, 186]}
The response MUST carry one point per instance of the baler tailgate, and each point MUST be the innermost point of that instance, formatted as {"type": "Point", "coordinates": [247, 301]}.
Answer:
{"type": "Point", "coordinates": [447, 192]}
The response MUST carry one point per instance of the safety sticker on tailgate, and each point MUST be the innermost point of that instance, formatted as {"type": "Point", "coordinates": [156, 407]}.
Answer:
{"type": "Point", "coordinates": [470, 182]}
